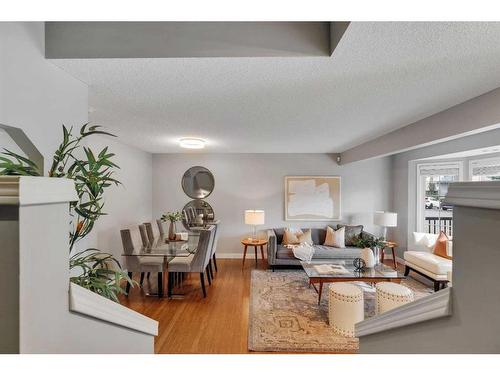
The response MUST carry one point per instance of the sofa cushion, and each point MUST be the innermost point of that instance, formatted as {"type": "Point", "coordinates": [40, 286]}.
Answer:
{"type": "Point", "coordinates": [335, 238]}
{"type": "Point", "coordinates": [428, 261]}
{"type": "Point", "coordinates": [351, 233]}
{"type": "Point", "coordinates": [422, 242]}
{"type": "Point", "coordinates": [327, 252]}
{"type": "Point", "coordinates": [441, 245]}
{"type": "Point", "coordinates": [322, 252]}
{"type": "Point", "coordinates": [291, 236]}
{"type": "Point", "coordinates": [284, 252]}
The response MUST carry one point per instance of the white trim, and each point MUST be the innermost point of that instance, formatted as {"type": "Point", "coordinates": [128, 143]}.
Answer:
{"type": "Point", "coordinates": [481, 163]}
{"type": "Point", "coordinates": [85, 302]}
{"type": "Point", "coordinates": [420, 190]}
{"type": "Point", "coordinates": [436, 305]}
{"type": "Point", "coordinates": [31, 190]}
{"type": "Point", "coordinates": [484, 194]}
{"type": "Point", "coordinates": [339, 218]}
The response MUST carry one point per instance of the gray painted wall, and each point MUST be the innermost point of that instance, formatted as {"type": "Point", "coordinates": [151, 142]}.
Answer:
{"type": "Point", "coordinates": [256, 181]}
{"type": "Point", "coordinates": [38, 97]}
{"type": "Point", "coordinates": [473, 326]}
{"type": "Point", "coordinates": [404, 178]}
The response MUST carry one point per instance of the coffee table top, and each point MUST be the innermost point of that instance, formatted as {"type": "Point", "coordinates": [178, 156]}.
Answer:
{"type": "Point", "coordinates": [380, 271]}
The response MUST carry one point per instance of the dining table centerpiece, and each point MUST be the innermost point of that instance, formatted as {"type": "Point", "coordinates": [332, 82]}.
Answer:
{"type": "Point", "coordinates": [172, 217]}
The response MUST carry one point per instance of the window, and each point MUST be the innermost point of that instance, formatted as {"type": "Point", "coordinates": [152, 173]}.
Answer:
{"type": "Point", "coordinates": [484, 169]}
{"type": "Point", "coordinates": [433, 215]}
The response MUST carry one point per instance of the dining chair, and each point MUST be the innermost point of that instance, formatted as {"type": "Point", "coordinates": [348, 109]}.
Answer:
{"type": "Point", "coordinates": [161, 227]}
{"type": "Point", "coordinates": [210, 271]}
{"type": "Point", "coordinates": [196, 262]}
{"type": "Point", "coordinates": [142, 264]}
{"type": "Point", "coordinates": [150, 234]}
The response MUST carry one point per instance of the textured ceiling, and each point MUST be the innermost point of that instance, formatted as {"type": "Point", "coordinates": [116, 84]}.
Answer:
{"type": "Point", "coordinates": [382, 76]}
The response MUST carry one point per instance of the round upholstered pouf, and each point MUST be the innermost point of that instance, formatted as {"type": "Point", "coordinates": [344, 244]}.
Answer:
{"type": "Point", "coordinates": [346, 308]}
{"type": "Point", "coordinates": [390, 296]}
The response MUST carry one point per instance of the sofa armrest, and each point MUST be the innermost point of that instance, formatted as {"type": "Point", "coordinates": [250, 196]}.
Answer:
{"type": "Point", "coordinates": [272, 247]}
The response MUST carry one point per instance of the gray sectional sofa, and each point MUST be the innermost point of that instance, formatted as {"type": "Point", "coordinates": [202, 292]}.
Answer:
{"type": "Point", "coordinates": [279, 255]}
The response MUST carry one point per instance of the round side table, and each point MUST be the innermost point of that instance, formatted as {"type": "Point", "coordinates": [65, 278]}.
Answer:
{"type": "Point", "coordinates": [255, 243]}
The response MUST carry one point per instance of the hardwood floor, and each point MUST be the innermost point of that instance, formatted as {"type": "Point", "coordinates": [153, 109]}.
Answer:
{"type": "Point", "coordinates": [216, 324]}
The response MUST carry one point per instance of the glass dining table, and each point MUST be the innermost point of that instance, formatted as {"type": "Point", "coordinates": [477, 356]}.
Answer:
{"type": "Point", "coordinates": [168, 250]}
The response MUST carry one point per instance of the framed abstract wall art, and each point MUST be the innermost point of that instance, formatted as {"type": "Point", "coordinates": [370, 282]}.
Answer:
{"type": "Point", "coordinates": [313, 198]}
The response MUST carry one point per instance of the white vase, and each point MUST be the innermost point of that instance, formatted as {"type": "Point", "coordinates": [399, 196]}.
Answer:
{"type": "Point", "coordinates": [368, 257]}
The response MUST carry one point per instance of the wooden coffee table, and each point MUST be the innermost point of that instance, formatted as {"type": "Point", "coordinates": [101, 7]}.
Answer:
{"type": "Point", "coordinates": [255, 243]}
{"type": "Point", "coordinates": [369, 275]}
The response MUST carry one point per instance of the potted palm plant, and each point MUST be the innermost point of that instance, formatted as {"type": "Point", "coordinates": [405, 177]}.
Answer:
{"type": "Point", "coordinates": [172, 217]}
{"type": "Point", "coordinates": [92, 173]}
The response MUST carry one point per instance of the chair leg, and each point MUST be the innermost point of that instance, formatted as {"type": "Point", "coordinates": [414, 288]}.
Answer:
{"type": "Point", "coordinates": [437, 285]}
{"type": "Point", "coordinates": [407, 270]}
{"type": "Point", "coordinates": [160, 284]}
{"type": "Point", "coordinates": [211, 269]}
{"type": "Point", "coordinates": [215, 263]}
{"type": "Point", "coordinates": [202, 281]}
{"type": "Point", "coordinates": [169, 284]}
{"type": "Point", "coordinates": [149, 274]}
{"type": "Point", "coordinates": [209, 278]}
{"type": "Point", "coordinates": [127, 289]}
{"type": "Point", "coordinates": [142, 278]}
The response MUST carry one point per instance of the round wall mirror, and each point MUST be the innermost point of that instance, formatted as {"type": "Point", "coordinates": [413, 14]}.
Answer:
{"type": "Point", "coordinates": [197, 213]}
{"type": "Point", "coordinates": [198, 182]}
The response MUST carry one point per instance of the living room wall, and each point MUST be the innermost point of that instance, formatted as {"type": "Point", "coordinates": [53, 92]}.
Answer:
{"type": "Point", "coordinates": [256, 181]}
{"type": "Point", "coordinates": [38, 97]}
{"type": "Point", "coordinates": [404, 178]}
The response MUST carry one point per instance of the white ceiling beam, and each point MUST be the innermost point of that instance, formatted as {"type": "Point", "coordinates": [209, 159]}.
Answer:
{"type": "Point", "coordinates": [476, 115]}
{"type": "Point", "coordinates": [337, 31]}
{"type": "Point", "coordinates": [84, 40]}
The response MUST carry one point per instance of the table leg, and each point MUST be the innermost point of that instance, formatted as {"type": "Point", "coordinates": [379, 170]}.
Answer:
{"type": "Point", "coordinates": [394, 259]}
{"type": "Point", "coordinates": [255, 248]}
{"type": "Point", "coordinates": [319, 291]}
{"type": "Point", "coordinates": [244, 256]}
{"type": "Point", "coordinates": [262, 252]}
{"type": "Point", "coordinates": [382, 254]}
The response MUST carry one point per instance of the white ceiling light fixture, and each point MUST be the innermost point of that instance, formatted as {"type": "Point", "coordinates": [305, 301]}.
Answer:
{"type": "Point", "coordinates": [192, 143]}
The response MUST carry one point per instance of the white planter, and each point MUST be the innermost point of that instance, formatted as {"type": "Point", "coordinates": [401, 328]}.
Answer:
{"type": "Point", "coordinates": [368, 257]}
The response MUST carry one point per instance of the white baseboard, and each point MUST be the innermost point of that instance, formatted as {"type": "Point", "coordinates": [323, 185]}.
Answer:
{"type": "Point", "coordinates": [250, 255]}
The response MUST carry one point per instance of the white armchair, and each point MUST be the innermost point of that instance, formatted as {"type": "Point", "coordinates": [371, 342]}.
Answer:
{"type": "Point", "coordinates": [420, 258]}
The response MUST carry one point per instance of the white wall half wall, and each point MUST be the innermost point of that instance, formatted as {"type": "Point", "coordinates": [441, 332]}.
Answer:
{"type": "Point", "coordinates": [256, 181]}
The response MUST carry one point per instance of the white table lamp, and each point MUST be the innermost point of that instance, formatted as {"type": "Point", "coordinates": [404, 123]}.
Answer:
{"type": "Point", "coordinates": [254, 217]}
{"type": "Point", "coordinates": [385, 220]}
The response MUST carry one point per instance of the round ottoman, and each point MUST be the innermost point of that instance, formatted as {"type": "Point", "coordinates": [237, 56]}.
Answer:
{"type": "Point", "coordinates": [390, 296]}
{"type": "Point", "coordinates": [345, 308]}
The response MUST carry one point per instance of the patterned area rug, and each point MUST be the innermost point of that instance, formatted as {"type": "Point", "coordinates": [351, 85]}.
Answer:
{"type": "Point", "coordinates": [285, 316]}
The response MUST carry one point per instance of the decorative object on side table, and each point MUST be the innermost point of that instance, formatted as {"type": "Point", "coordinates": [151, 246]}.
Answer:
{"type": "Point", "coordinates": [173, 217]}
{"type": "Point", "coordinates": [385, 220]}
{"type": "Point", "coordinates": [371, 249]}
{"type": "Point", "coordinates": [254, 217]}
{"type": "Point", "coordinates": [359, 264]}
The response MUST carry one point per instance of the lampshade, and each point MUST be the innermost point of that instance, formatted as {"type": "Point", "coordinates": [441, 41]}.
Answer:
{"type": "Point", "coordinates": [254, 217]}
{"type": "Point", "coordinates": [385, 219]}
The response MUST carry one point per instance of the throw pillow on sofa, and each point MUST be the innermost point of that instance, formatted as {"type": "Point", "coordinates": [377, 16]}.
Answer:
{"type": "Point", "coordinates": [440, 246]}
{"type": "Point", "coordinates": [335, 238]}
{"type": "Point", "coordinates": [352, 232]}
{"type": "Point", "coordinates": [290, 236]}
{"type": "Point", "coordinates": [305, 237]}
